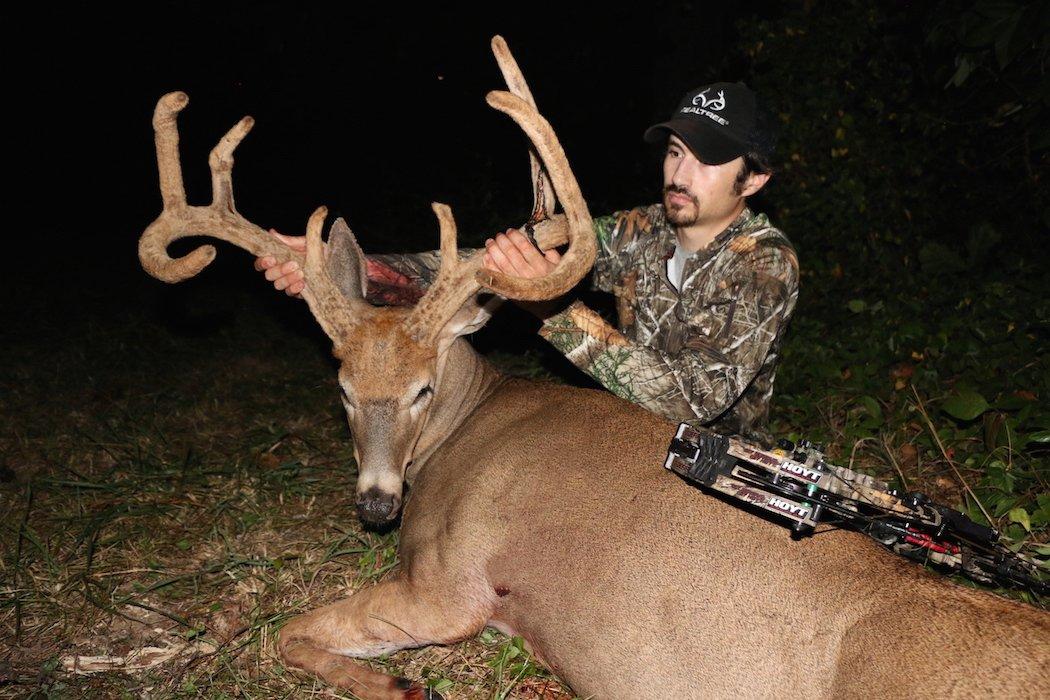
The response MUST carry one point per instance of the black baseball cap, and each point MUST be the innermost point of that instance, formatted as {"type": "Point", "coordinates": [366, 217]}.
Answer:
{"type": "Point", "coordinates": [718, 122]}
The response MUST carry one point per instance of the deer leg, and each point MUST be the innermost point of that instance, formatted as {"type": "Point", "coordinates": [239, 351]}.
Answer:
{"type": "Point", "coordinates": [394, 614]}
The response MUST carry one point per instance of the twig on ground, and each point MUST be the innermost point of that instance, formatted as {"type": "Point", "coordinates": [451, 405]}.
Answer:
{"type": "Point", "coordinates": [893, 461]}
{"type": "Point", "coordinates": [951, 463]}
{"type": "Point", "coordinates": [853, 452]}
{"type": "Point", "coordinates": [18, 561]}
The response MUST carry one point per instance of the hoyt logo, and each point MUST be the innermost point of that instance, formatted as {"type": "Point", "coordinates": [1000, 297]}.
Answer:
{"type": "Point", "coordinates": [800, 470]}
{"type": "Point", "coordinates": [789, 507]}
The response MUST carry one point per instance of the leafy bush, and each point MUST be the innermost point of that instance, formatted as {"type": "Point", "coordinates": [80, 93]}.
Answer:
{"type": "Point", "coordinates": [914, 153]}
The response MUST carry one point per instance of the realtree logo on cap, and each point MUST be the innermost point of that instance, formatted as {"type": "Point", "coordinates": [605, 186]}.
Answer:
{"type": "Point", "coordinates": [715, 103]}
{"type": "Point", "coordinates": [715, 121]}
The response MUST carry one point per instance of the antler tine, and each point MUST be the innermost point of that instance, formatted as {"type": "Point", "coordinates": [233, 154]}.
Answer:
{"type": "Point", "coordinates": [220, 161]}
{"type": "Point", "coordinates": [456, 282]}
{"type": "Point", "coordinates": [449, 233]}
{"type": "Point", "coordinates": [167, 138]}
{"type": "Point", "coordinates": [543, 200]}
{"type": "Point", "coordinates": [178, 220]}
{"type": "Point", "coordinates": [314, 244]}
{"type": "Point", "coordinates": [579, 257]}
{"type": "Point", "coordinates": [335, 313]}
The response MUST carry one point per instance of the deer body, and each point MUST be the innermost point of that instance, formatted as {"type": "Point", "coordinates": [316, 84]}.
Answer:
{"type": "Point", "coordinates": [544, 511]}
{"type": "Point", "coordinates": [629, 583]}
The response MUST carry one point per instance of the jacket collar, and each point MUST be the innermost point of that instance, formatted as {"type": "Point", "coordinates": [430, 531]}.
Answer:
{"type": "Point", "coordinates": [669, 238]}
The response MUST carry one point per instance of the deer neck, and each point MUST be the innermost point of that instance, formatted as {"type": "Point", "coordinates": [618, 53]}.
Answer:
{"type": "Point", "coordinates": [465, 379]}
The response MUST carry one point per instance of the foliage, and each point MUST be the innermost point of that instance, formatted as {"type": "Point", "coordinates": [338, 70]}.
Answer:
{"type": "Point", "coordinates": [914, 152]}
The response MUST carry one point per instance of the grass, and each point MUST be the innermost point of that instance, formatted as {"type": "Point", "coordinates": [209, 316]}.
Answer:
{"type": "Point", "coordinates": [177, 482]}
{"type": "Point", "coordinates": [175, 492]}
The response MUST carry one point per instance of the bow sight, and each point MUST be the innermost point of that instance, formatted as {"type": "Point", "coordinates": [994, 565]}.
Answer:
{"type": "Point", "coordinates": [796, 482]}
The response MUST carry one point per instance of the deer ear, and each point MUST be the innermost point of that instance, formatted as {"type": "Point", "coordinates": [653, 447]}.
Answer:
{"type": "Point", "coordinates": [475, 313]}
{"type": "Point", "coordinates": [346, 261]}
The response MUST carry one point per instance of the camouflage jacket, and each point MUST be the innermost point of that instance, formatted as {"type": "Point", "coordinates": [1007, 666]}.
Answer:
{"type": "Point", "coordinates": [707, 354]}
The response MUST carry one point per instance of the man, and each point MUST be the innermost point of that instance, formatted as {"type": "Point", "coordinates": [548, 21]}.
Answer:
{"type": "Point", "coordinates": [704, 287]}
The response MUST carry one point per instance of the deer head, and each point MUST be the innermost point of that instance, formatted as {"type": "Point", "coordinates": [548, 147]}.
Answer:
{"type": "Point", "coordinates": [392, 375]}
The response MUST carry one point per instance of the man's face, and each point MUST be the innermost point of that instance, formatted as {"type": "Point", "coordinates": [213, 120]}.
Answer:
{"type": "Point", "coordinates": [695, 192]}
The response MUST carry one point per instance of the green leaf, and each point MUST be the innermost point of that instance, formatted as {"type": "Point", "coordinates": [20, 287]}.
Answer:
{"type": "Point", "coordinates": [1013, 532]}
{"type": "Point", "coordinates": [440, 684]}
{"type": "Point", "coordinates": [997, 477]}
{"type": "Point", "coordinates": [1005, 49]}
{"type": "Point", "coordinates": [183, 545]}
{"type": "Point", "coordinates": [871, 406]}
{"type": "Point", "coordinates": [965, 405]}
{"type": "Point", "coordinates": [982, 240]}
{"type": "Point", "coordinates": [1011, 403]}
{"type": "Point", "coordinates": [1041, 436]}
{"type": "Point", "coordinates": [856, 305]}
{"type": "Point", "coordinates": [964, 67]}
{"type": "Point", "coordinates": [974, 513]}
{"type": "Point", "coordinates": [1041, 516]}
{"type": "Point", "coordinates": [1020, 516]}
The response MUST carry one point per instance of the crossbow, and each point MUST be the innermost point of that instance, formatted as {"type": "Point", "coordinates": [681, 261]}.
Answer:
{"type": "Point", "coordinates": [796, 482]}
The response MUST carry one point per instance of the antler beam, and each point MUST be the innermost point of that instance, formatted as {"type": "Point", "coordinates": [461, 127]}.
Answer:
{"type": "Point", "coordinates": [220, 219]}
{"type": "Point", "coordinates": [457, 281]}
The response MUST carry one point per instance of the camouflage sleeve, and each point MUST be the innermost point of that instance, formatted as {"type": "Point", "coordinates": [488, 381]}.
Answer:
{"type": "Point", "coordinates": [400, 279]}
{"type": "Point", "coordinates": [606, 265]}
{"type": "Point", "coordinates": [717, 360]}
{"type": "Point", "coordinates": [616, 234]}
{"type": "Point", "coordinates": [416, 268]}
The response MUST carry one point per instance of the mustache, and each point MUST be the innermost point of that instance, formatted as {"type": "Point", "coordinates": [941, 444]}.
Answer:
{"type": "Point", "coordinates": [678, 190]}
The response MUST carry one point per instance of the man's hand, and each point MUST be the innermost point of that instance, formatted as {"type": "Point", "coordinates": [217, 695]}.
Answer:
{"type": "Point", "coordinates": [287, 277]}
{"type": "Point", "coordinates": [511, 253]}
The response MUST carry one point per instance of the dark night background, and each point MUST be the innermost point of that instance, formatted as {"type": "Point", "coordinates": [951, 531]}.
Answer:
{"type": "Point", "coordinates": [376, 112]}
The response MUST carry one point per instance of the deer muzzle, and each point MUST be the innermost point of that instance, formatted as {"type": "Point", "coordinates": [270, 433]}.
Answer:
{"type": "Point", "coordinates": [378, 507]}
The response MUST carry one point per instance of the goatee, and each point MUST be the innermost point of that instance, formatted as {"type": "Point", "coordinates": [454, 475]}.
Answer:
{"type": "Point", "coordinates": [678, 214]}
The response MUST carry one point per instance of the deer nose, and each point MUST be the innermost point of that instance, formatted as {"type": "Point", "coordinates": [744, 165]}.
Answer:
{"type": "Point", "coordinates": [376, 506]}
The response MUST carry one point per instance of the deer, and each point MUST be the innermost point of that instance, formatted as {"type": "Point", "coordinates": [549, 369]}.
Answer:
{"type": "Point", "coordinates": [543, 510]}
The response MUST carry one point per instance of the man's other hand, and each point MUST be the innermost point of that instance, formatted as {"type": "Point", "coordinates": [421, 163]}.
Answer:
{"type": "Point", "coordinates": [511, 253]}
{"type": "Point", "coordinates": [286, 277]}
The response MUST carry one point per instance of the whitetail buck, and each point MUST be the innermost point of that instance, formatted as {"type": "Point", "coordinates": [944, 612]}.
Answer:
{"type": "Point", "coordinates": [544, 511]}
